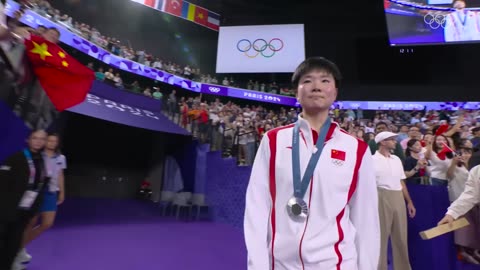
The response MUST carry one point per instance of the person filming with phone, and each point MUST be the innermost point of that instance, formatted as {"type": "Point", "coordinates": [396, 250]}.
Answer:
{"type": "Point", "coordinates": [464, 193]}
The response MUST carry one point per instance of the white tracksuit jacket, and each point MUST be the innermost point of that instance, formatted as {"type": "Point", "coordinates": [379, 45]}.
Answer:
{"type": "Point", "coordinates": [469, 197]}
{"type": "Point", "coordinates": [342, 230]}
{"type": "Point", "coordinates": [462, 26]}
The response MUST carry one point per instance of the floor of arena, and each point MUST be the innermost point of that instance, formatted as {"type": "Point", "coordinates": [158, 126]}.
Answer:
{"type": "Point", "coordinates": [99, 234]}
{"type": "Point", "coordinates": [129, 235]}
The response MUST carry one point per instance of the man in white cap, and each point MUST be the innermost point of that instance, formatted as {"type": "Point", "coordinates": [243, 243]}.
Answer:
{"type": "Point", "coordinates": [391, 206]}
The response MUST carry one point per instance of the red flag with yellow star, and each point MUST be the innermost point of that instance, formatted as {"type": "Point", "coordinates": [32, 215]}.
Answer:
{"type": "Point", "coordinates": [64, 79]}
{"type": "Point", "coordinates": [338, 154]}
{"type": "Point", "coordinates": [201, 15]}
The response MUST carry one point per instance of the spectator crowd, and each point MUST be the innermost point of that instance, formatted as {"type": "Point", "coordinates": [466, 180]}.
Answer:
{"type": "Point", "coordinates": [116, 47]}
{"type": "Point", "coordinates": [436, 147]}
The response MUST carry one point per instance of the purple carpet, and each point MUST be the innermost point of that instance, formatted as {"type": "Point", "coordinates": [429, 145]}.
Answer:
{"type": "Point", "coordinates": [101, 234]}
{"type": "Point", "coordinates": [126, 235]}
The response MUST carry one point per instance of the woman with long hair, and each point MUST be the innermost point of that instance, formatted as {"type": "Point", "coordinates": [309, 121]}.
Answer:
{"type": "Point", "coordinates": [415, 165]}
{"type": "Point", "coordinates": [439, 154]}
{"type": "Point", "coordinates": [23, 180]}
{"type": "Point", "coordinates": [457, 172]}
{"type": "Point", "coordinates": [467, 239]}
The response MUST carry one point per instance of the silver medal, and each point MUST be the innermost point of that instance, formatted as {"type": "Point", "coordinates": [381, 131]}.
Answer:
{"type": "Point", "coordinates": [297, 209]}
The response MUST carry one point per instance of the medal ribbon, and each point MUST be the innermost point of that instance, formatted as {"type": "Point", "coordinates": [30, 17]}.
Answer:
{"type": "Point", "coordinates": [464, 21]}
{"type": "Point", "coordinates": [300, 185]}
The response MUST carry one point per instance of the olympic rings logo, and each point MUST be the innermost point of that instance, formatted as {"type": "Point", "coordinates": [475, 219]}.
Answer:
{"type": "Point", "coordinates": [214, 89]}
{"type": "Point", "coordinates": [435, 20]}
{"type": "Point", "coordinates": [260, 47]}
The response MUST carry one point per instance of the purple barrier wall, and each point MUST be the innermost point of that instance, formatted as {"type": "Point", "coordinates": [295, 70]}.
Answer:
{"type": "Point", "coordinates": [111, 104]}
{"type": "Point", "coordinates": [13, 132]}
{"type": "Point", "coordinates": [104, 90]}
{"type": "Point", "coordinates": [226, 188]}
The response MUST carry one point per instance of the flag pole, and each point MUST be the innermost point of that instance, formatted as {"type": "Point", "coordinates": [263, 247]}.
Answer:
{"type": "Point", "coordinates": [448, 147]}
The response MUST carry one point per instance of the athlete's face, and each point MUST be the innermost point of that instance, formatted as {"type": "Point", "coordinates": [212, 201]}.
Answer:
{"type": "Point", "coordinates": [316, 90]}
{"type": "Point", "coordinates": [459, 5]}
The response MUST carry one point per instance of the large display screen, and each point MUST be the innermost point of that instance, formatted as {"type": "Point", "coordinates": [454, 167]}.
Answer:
{"type": "Point", "coordinates": [260, 48]}
{"type": "Point", "coordinates": [432, 22]}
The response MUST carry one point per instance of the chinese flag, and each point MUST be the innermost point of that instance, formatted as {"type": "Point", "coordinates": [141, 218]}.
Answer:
{"type": "Point", "coordinates": [337, 154]}
{"type": "Point", "coordinates": [64, 79]}
{"type": "Point", "coordinates": [173, 7]}
{"type": "Point", "coordinates": [443, 153]}
{"type": "Point", "coordinates": [441, 129]}
{"type": "Point", "coordinates": [201, 15]}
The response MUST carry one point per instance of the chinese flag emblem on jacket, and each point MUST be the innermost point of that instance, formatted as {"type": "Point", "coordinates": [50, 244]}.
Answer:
{"type": "Point", "coordinates": [65, 80]}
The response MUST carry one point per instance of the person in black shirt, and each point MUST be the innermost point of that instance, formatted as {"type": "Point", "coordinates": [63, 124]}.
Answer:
{"type": "Point", "coordinates": [22, 180]}
{"type": "Point", "coordinates": [475, 159]}
{"type": "Point", "coordinates": [415, 163]}
{"type": "Point", "coordinates": [476, 137]}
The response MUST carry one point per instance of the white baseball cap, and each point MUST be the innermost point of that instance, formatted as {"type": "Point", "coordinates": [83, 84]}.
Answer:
{"type": "Point", "coordinates": [384, 135]}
